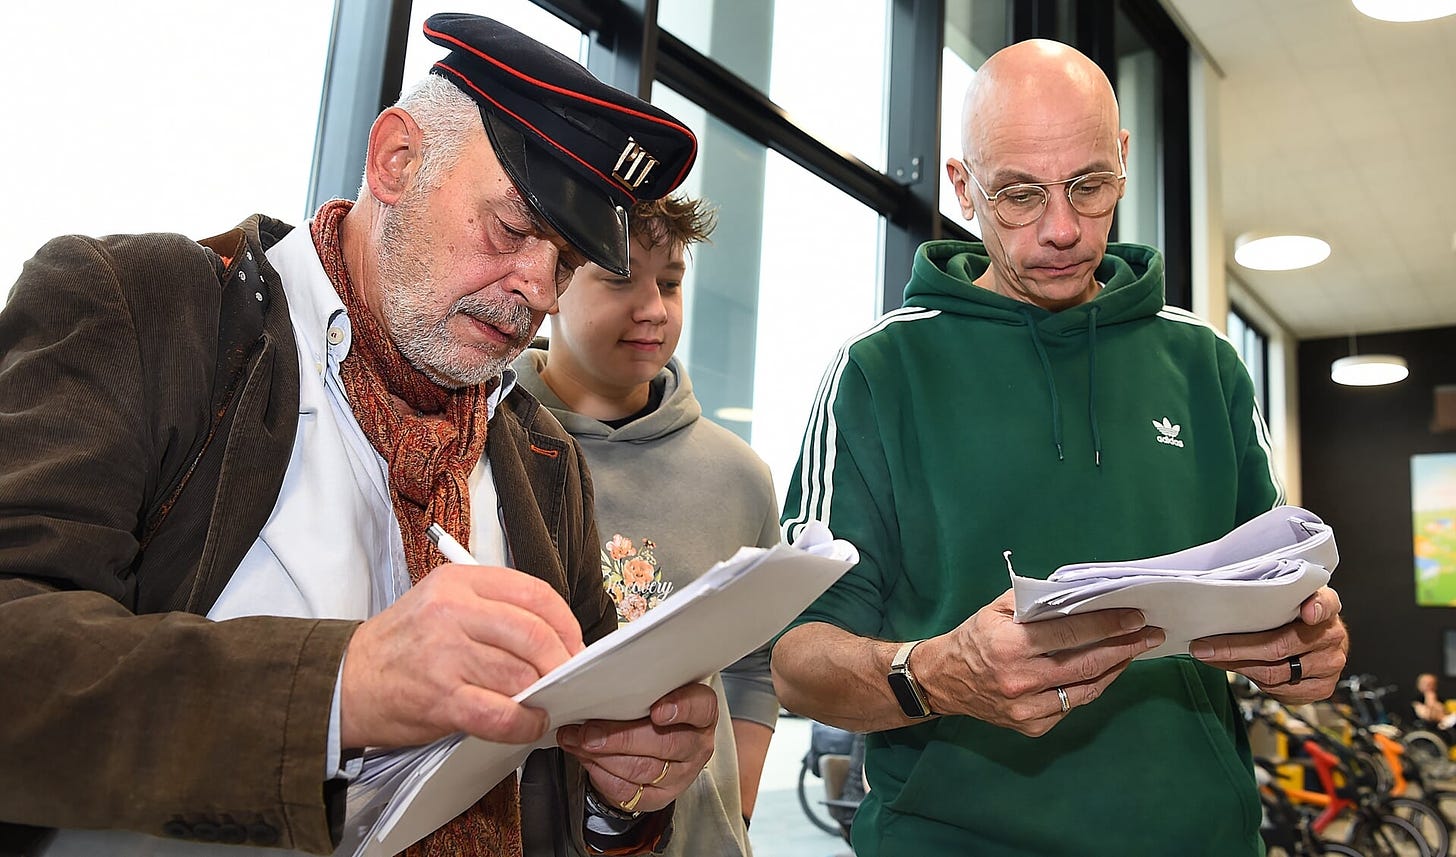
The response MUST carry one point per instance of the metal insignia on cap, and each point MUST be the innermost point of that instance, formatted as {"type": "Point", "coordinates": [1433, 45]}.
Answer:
{"type": "Point", "coordinates": [633, 164]}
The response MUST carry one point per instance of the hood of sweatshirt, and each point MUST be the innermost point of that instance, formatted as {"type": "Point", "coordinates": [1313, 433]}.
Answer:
{"type": "Point", "coordinates": [678, 410]}
{"type": "Point", "coordinates": [1131, 275]}
{"type": "Point", "coordinates": [944, 271]}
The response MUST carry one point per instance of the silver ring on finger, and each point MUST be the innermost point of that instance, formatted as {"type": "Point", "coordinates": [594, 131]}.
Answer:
{"type": "Point", "coordinates": [1062, 697]}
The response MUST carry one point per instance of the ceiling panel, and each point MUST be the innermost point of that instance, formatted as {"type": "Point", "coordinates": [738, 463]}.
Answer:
{"type": "Point", "coordinates": [1345, 127]}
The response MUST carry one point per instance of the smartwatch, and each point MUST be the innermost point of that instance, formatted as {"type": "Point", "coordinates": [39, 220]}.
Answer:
{"type": "Point", "coordinates": [903, 684]}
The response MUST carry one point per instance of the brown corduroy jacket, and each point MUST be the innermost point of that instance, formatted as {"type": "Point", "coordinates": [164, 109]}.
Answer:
{"type": "Point", "coordinates": [148, 405]}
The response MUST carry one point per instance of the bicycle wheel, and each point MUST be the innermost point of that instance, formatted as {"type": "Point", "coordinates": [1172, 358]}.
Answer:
{"type": "Point", "coordinates": [1378, 771]}
{"type": "Point", "coordinates": [1388, 836]}
{"type": "Point", "coordinates": [1426, 819]}
{"type": "Point", "coordinates": [817, 812]}
{"type": "Point", "coordinates": [1444, 800]}
{"type": "Point", "coordinates": [1429, 748]}
{"type": "Point", "coordinates": [1337, 848]}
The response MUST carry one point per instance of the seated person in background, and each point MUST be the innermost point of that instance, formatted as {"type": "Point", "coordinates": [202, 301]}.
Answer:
{"type": "Point", "coordinates": [675, 493]}
{"type": "Point", "coordinates": [1430, 709]}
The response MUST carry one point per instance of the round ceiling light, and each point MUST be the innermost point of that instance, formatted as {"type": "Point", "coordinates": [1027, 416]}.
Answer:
{"type": "Point", "coordinates": [1264, 251]}
{"type": "Point", "coordinates": [1368, 370]}
{"type": "Point", "coordinates": [1402, 11]}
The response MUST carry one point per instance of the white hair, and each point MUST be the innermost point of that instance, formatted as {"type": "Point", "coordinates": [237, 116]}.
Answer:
{"type": "Point", "coordinates": [448, 120]}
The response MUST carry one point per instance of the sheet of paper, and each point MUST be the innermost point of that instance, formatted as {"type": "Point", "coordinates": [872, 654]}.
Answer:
{"type": "Point", "coordinates": [734, 608]}
{"type": "Point", "coordinates": [1252, 579]}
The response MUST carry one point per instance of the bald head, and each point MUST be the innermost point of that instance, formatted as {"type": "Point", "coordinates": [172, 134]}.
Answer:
{"type": "Point", "coordinates": [1040, 114]}
{"type": "Point", "coordinates": [1038, 85]}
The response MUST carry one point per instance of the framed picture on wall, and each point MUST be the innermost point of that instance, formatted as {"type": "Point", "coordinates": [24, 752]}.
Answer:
{"type": "Point", "coordinates": [1433, 525]}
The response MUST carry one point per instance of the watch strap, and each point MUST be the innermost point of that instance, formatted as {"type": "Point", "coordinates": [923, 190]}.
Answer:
{"type": "Point", "coordinates": [908, 692]}
{"type": "Point", "coordinates": [901, 661]}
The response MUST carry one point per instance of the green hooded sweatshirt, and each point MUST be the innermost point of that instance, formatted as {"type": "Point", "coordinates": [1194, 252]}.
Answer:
{"type": "Point", "coordinates": [966, 424]}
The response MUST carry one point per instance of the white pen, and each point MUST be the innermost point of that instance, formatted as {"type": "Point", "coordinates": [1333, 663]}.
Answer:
{"type": "Point", "coordinates": [453, 550]}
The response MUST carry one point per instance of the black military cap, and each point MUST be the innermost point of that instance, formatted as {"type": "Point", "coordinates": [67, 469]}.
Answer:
{"type": "Point", "coordinates": [579, 151]}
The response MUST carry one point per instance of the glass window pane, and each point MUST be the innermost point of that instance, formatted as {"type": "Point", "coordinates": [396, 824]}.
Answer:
{"type": "Point", "coordinates": [420, 53]}
{"type": "Point", "coordinates": [793, 271]}
{"type": "Point", "coordinates": [826, 69]}
{"type": "Point", "coordinates": [187, 118]}
{"type": "Point", "coordinates": [1253, 348]}
{"type": "Point", "coordinates": [973, 31]}
{"type": "Point", "coordinates": [1139, 95]}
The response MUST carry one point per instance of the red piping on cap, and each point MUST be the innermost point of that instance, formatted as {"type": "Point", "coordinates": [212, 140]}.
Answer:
{"type": "Point", "coordinates": [567, 92]}
{"type": "Point", "coordinates": [543, 135]}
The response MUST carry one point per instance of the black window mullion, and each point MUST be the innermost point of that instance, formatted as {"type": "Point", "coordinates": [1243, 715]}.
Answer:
{"type": "Point", "coordinates": [913, 148]}
{"type": "Point", "coordinates": [1177, 183]}
{"type": "Point", "coordinates": [1096, 35]}
{"type": "Point", "coordinates": [586, 15]}
{"type": "Point", "coordinates": [1031, 19]}
{"type": "Point", "coordinates": [1175, 162]}
{"type": "Point", "coordinates": [623, 51]}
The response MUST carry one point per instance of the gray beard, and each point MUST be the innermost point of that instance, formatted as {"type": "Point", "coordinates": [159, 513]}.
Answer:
{"type": "Point", "coordinates": [405, 287]}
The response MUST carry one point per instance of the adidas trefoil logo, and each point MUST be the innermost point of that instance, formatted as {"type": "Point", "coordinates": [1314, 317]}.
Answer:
{"type": "Point", "coordinates": [1168, 433]}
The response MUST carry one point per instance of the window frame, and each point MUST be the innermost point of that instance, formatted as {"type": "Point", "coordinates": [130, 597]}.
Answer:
{"type": "Point", "coordinates": [628, 49]}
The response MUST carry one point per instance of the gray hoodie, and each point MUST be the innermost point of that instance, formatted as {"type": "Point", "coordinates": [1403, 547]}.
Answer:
{"type": "Point", "coordinates": [674, 495]}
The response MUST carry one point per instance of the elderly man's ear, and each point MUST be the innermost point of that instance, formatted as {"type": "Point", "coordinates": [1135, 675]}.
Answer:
{"type": "Point", "coordinates": [394, 155]}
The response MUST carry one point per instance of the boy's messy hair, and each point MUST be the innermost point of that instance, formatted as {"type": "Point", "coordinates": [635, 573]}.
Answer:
{"type": "Point", "coordinates": [672, 219]}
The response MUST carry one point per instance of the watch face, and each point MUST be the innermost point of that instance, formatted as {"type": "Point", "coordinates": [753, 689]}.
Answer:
{"type": "Point", "coordinates": [905, 694]}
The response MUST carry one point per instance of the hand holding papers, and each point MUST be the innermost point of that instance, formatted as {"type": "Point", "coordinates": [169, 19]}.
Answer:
{"type": "Point", "coordinates": [1252, 579]}
{"type": "Point", "coordinates": [728, 612]}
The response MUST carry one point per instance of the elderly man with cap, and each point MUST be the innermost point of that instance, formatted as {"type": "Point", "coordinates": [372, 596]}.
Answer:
{"type": "Point", "coordinates": [221, 460]}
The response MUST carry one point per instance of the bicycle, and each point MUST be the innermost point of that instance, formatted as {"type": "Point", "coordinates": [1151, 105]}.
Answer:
{"type": "Point", "coordinates": [1429, 748]}
{"type": "Point", "coordinates": [1376, 828]}
{"type": "Point", "coordinates": [1386, 756]}
{"type": "Point", "coordinates": [835, 756]}
{"type": "Point", "coordinates": [1286, 827]}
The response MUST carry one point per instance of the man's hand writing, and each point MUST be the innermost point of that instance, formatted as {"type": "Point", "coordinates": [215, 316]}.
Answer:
{"type": "Point", "coordinates": [449, 655]}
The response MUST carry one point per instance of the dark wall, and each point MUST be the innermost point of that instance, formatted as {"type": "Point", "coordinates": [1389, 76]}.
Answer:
{"type": "Point", "coordinates": [1356, 444]}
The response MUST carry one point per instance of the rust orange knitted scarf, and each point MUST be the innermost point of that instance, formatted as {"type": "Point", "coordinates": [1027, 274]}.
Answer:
{"type": "Point", "coordinates": [431, 446]}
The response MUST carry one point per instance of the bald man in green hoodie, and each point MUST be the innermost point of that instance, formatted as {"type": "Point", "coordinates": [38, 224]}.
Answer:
{"type": "Point", "coordinates": [1008, 405]}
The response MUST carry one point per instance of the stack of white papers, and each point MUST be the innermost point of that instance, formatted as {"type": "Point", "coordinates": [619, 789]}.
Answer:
{"type": "Point", "coordinates": [734, 608]}
{"type": "Point", "coordinates": [1252, 579]}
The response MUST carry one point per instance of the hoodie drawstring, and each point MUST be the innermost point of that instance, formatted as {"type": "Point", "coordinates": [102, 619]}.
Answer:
{"type": "Point", "coordinates": [1046, 368]}
{"type": "Point", "coordinates": [1092, 383]}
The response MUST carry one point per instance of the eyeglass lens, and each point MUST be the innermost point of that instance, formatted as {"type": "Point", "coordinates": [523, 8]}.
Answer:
{"type": "Point", "coordinates": [1092, 195]}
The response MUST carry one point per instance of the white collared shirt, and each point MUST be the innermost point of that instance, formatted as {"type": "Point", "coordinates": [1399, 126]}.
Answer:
{"type": "Point", "coordinates": [331, 547]}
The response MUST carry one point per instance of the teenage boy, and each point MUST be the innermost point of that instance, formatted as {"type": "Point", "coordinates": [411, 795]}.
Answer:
{"type": "Point", "coordinates": [675, 493]}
